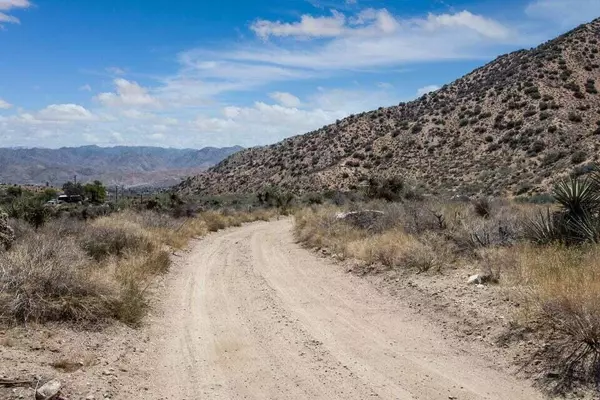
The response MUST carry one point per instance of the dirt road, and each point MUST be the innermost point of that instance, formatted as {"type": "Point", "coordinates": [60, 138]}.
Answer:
{"type": "Point", "coordinates": [251, 315]}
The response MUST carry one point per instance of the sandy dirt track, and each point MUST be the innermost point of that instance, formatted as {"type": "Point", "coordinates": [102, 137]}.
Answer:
{"type": "Point", "coordinates": [251, 315]}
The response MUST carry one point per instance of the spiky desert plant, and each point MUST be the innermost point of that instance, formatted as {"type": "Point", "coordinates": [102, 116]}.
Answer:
{"type": "Point", "coordinates": [544, 228]}
{"type": "Point", "coordinates": [578, 196]}
{"type": "Point", "coordinates": [586, 228]}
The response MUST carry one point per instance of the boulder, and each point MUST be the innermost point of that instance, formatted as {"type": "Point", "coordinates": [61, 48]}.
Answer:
{"type": "Point", "coordinates": [49, 390]}
{"type": "Point", "coordinates": [480, 279]}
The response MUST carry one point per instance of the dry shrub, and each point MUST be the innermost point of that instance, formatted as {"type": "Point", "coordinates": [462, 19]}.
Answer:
{"type": "Point", "coordinates": [48, 278]}
{"type": "Point", "coordinates": [561, 287]}
{"type": "Point", "coordinates": [215, 220]}
{"type": "Point", "coordinates": [319, 227]}
{"type": "Point", "coordinates": [394, 249]}
{"type": "Point", "coordinates": [112, 236]}
{"type": "Point", "coordinates": [174, 232]}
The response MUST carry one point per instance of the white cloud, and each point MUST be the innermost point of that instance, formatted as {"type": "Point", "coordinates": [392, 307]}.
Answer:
{"type": "Point", "coordinates": [9, 19]}
{"type": "Point", "coordinates": [308, 26]}
{"type": "Point", "coordinates": [285, 99]}
{"type": "Point", "coordinates": [427, 89]}
{"type": "Point", "coordinates": [484, 26]}
{"type": "Point", "coordinates": [564, 12]}
{"type": "Point", "coordinates": [375, 20]}
{"type": "Point", "coordinates": [65, 112]}
{"type": "Point", "coordinates": [115, 71]}
{"type": "Point", "coordinates": [7, 5]}
{"type": "Point", "coordinates": [4, 105]}
{"type": "Point", "coordinates": [376, 38]}
{"type": "Point", "coordinates": [128, 94]}
{"type": "Point", "coordinates": [85, 88]}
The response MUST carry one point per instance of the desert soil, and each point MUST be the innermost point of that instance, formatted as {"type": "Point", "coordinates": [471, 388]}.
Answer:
{"type": "Point", "coordinates": [247, 313]}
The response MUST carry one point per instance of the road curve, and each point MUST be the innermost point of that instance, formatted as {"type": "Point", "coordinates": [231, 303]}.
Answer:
{"type": "Point", "coordinates": [251, 315]}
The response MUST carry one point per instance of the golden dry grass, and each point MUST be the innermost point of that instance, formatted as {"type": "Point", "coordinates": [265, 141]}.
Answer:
{"type": "Point", "coordinates": [560, 288]}
{"type": "Point", "coordinates": [92, 272]}
{"type": "Point", "coordinates": [391, 248]}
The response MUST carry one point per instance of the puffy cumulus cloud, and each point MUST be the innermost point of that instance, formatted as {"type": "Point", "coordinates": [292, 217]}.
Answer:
{"type": "Point", "coordinates": [224, 125]}
{"type": "Point", "coordinates": [58, 113]}
{"type": "Point", "coordinates": [285, 99]}
{"type": "Point", "coordinates": [4, 105]}
{"type": "Point", "coordinates": [427, 89]}
{"type": "Point", "coordinates": [564, 12]}
{"type": "Point", "coordinates": [308, 26]}
{"type": "Point", "coordinates": [128, 94]}
{"type": "Point", "coordinates": [263, 123]}
{"type": "Point", "coordinates": [65, 112]}
{"type": "Point", "coordinates": [8, 5]}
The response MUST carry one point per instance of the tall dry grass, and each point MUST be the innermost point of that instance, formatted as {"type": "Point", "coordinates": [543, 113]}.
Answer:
{"type": "Point", "coordinates": [560, 287]}
{"type": "Point", "coordinates": [90, 272]}
{"type": "Point", "coordinates": [423, 235]}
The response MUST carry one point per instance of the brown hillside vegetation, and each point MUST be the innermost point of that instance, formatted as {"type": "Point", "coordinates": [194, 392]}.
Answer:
{"type": "Point", "coordinates": [510, 127]}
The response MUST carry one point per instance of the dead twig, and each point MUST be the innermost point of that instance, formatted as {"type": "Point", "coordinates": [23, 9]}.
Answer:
{"type": "Point", "coordinates": [12, 382]}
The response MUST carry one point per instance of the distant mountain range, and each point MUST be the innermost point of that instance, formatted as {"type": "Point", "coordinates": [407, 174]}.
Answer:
{"type": "Point", "coordinates": [122, 165]}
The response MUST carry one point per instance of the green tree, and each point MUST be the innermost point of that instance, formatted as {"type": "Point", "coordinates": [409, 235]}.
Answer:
{"type": "Point", "coordinates": [96, 192]}
{"type": "Point", "coordinates": [48, 194]}
{"type": "Point", "coordinates": [14, 191]}
{"type": "Point", "coordinates": [73, 189]}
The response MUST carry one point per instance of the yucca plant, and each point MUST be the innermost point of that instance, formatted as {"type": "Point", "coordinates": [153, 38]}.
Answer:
{"type": "Point", "coordinates": [578, 196]}
{"type": "Point", "coordinates": [545, 228]}
{"type": "Point", "coordinates": [577, 222]}
{"type": "Point", "coordinates": [586, 228]}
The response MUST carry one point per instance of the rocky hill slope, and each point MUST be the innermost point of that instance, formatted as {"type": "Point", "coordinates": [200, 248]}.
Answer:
{"type": "Point", "coordinates": [512, 126]}
{"type": "Point", "coordinates": [129, 166]}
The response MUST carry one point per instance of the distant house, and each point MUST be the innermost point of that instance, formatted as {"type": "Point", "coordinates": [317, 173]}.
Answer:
{"type": "Point", "coordinates": [64, 198]}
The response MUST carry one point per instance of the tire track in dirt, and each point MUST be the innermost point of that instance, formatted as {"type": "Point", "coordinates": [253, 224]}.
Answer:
{"type": "Point", "coordinates": [251, 315]}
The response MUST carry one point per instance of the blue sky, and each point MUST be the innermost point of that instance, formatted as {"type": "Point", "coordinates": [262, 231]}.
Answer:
{"type": "Point", "coordinates": [198, 73]}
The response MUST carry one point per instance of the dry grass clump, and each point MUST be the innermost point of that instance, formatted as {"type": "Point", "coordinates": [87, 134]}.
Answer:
{"type": "Point", "coordinates": [48, 278]}
{"type": "Point", "coordinates": [111, 236]}
{"type": "Point", "coordinates": [394, 249]}
{"type": "Point", "coordinates": [217, 220]}
{"type": "Point", "coordinates": [561, 288]}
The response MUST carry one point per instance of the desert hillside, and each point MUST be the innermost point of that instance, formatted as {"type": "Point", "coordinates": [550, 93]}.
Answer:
{"type": "Point", "coordinates": [129, 166]}
{"type": "Point", "coordinates": [512, 127]}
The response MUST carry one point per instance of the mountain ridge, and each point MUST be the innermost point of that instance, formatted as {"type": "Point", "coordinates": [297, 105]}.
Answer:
{"type": "Point", "coordinates": [118, 165]}
{"type": "Point", "coordinates": [511, 127]}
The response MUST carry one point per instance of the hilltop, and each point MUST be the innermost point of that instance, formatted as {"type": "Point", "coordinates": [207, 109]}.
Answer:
{"type": "Point", "coordinates": [510, 127]}
{"type": "Point", "coordinates": [122, 165]}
